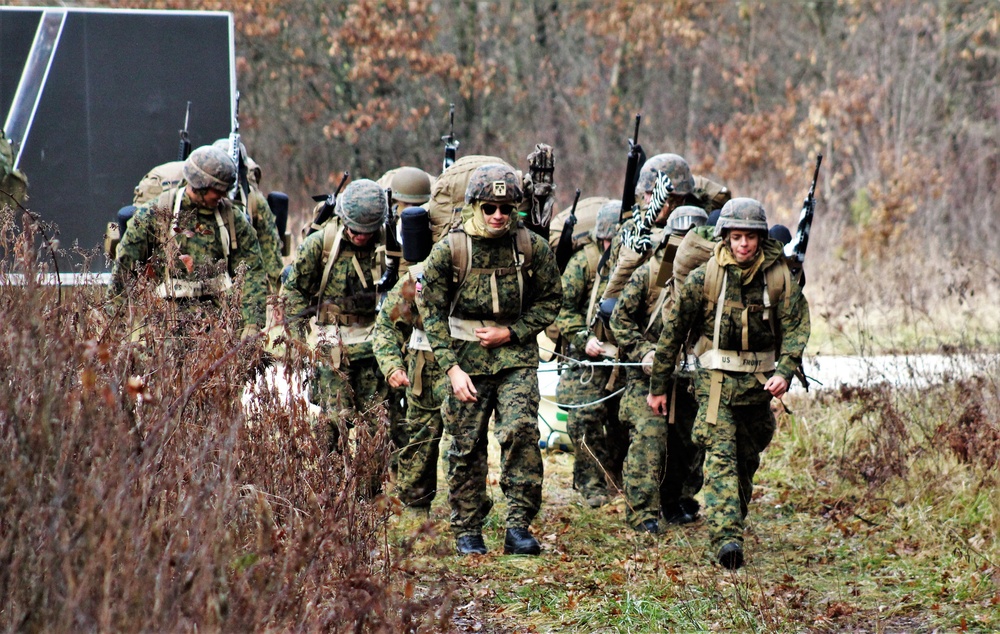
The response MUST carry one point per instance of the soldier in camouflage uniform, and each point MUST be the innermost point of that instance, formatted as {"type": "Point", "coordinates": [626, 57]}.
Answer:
{"type": "Point", "coordinates": [333, 276]}
{"type": "Point", "coordinates": [488, 290]}
{"type": "Point", "coordinates": [594, 430]}
{"type": "Point", "coordinates": [255, 205]}
{"type": "Point", "coordinates": [754, 324]}
{"type": "Point", "coordinates": [407, 362]}
{"type": "Point", "coordinates": [207, 244]}
{"type": "Point", "coordinates": [662, 469]}
{"type": "Point", "coordinates": [410, 186]}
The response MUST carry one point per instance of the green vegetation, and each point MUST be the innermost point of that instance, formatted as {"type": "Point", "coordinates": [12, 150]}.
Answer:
{"type": "Point", "coordinates": [875, 511]}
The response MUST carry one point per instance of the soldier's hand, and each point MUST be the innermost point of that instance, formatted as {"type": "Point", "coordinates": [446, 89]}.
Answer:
{"type": "Point", "coordinates": [462, 385]}
{"type": "Point", "coordinates": [657, 403]}
{"type": "Point", "coordinates": [399, 379]}
{"type": "Point", "coordinates": [777, 386]}
{"type": "Point", "coordinates": [493, 336]}
{"type": "Point", "coordinates": [647, 362]}
{"type": "Point", "coordinates": [594, 347]}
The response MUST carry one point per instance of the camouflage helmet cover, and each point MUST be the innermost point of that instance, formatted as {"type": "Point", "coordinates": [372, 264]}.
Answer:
{"type": "Point", "coordinates": [411, 185]}
{"type": "Point", "coordinates": [607, 220]}
{"type": "Point", "coordinates": [210, 167]}
{"type": "Point", "coordinates": [362, 206]}
{"type": "Point", "coordinates": [494, 183]}
{"type": "Point", "coordinates": [741, 213]}
{"type": "Point", "coordinates": [685, 217]}
{"type": "Point", "coordinates": [675, 167]}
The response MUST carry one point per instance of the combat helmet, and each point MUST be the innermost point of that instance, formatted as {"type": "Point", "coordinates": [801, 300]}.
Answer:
{"type": "Point", "coordinates": [411, 185]}
{"type": "Point", "coordinates": [742, 213]}
{"type": "Point", "coordinates": [674, 166]}
{"type": "Point", "coordinates": [684, 217]}
{"type": "Point", "coordinates": [607, 220]}
{"type": "Point", "coordinates": [208, 167]}
{"type": "Point", "coordinates": [494, 183]}
{"type": "Point", "coordinates": [362, 206]}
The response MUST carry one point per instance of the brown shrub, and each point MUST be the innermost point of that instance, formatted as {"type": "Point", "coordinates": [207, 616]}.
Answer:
{"type": "Point", "coordinates": [138, 493]}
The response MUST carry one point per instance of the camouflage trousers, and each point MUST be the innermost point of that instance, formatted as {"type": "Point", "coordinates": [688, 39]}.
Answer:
{"type": "Point", "coordinates": [732, 456]}
{"type": "Point", "coordinates": [599, 440]}
{"type": "Point", "coordinates": [516, 429]}
{"type": "Point", "coordinates": [683, 474]}
{"type": "Point", "coordinates": [663, 466]}
{"type": "Point", "coordinates": [348, 394]}
{"type": "Point", "coordinates": [417, 460]}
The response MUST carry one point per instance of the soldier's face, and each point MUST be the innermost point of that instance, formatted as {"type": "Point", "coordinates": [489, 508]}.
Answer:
{"type": "Point", "coordinates": [207, 198]}
{"type": "Point", "coordinates": [359, 239]}
{"type": "Point", "coordinates": [743, 244]}
{"type": "Point", "coordinates": [497, 215]}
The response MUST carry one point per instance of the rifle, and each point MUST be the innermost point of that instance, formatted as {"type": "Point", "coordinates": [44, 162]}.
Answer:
{"type": "Point", "coordinates": [393, 251]}
{"type": "Point", "coordinates": [450, 142]}
{"type": "Point", "coordinates": [329, 204]}
{"type": "Point", "coordinates": [795, 251]}
{"type": "Point", "coordinates": [184, 149]}
{"type": "Point", "coordinates": [632, 166]}
{"type": "Point", "coordinates": [236, 153]}
{"type": "Point", "coordinates": [564, 250]}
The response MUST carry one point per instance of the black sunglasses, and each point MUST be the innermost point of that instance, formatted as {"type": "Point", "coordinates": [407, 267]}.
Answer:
{"type": "Point", "coordinates": [490, 208]}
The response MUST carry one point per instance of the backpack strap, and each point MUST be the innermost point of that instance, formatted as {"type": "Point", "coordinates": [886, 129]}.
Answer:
{"type": "Point", "coordinates": [593, 253]}
{"type": "Point", "coordinates": [332, 237]}
{"type": "Point", "coordinates": [522, 240]}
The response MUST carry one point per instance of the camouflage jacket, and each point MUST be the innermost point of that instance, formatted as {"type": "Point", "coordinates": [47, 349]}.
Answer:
{"type": "Point", "coordinates": [197, 235]}
{"type": "Point", "coordinates": [346, 292]}
{"type": "Point", "coordinates": [267, 234]}
{"type": "Point", "coordinates": [541, 299]}
{"type": "Point", "coordinates": [394, 324]}
{"type": "Point", "coordinates": [577, 288]}
{"type": "Point", "coordinates": [630, 317]}
{"type": "Point", "coordinates": [691, 312]}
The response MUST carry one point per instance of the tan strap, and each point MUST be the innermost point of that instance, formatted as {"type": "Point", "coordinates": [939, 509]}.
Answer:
{"type": "Point", "coordinates": [419, 341]}
{"type": "Point", "coordinates": [223, 233]}
{"type": "Point", "coordinates": [338, 334]}
{"type": "Point", "coordinates": [672, 413]}
{"type": "Point", "coordinates": [738, 361]}
{"type": "Point", "coordinates": [333, 235]}
{"type": "Point", "coordinates": [465, 329]}
{"type": "Point", "coordinates": [417, 386]}
{"type": "Point", "coordinates": [714, 397]}
{"type": "Point", "coordinates": [193, 289]}
{"type": "Point", "coordinates": [358, 270]}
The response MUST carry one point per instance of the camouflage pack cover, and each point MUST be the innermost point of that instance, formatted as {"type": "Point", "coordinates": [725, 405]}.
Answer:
{"type": "Point", "coordinates": [710, 194]}
{"type": "Point", "coordinates": [586, 220]}
{"type": "Point", "coordinates": [158, 179]}
{"type": "Point", "coordinates": [210, 167]}
{"type": "Point", "coordinates": [448, 191]}
{"type": "Point", "coordinates": [363, 206]}
{"type": "Point", "coordinates": [12, 181]}
{"type": "Point", "coordinates": [742, 213]}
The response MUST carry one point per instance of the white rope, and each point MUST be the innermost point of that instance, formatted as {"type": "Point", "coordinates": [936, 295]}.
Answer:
{"type": "Point", "coordinates": [590, 404]}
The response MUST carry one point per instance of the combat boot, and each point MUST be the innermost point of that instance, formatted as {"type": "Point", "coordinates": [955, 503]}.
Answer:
{"type": "Point", "coordinates": [471, 544]}
{"type": "Point", "coordinates": [520, 541]}
{"type": "Point", "coordinates": [731, 556]}
{"type": "Point", "coordinates": [649, 526]}
{"type": "Point", "coordinates": [675, 513]}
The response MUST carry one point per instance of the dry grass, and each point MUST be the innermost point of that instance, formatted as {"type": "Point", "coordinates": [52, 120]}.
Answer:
{"type": "Point", "coordinates": [138, 493]}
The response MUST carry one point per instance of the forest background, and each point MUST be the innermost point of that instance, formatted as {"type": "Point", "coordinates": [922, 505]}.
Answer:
{"type": "Point", "coordinates": [902, 98]}
{"type": "Point", "coordinates": [140, 494]}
